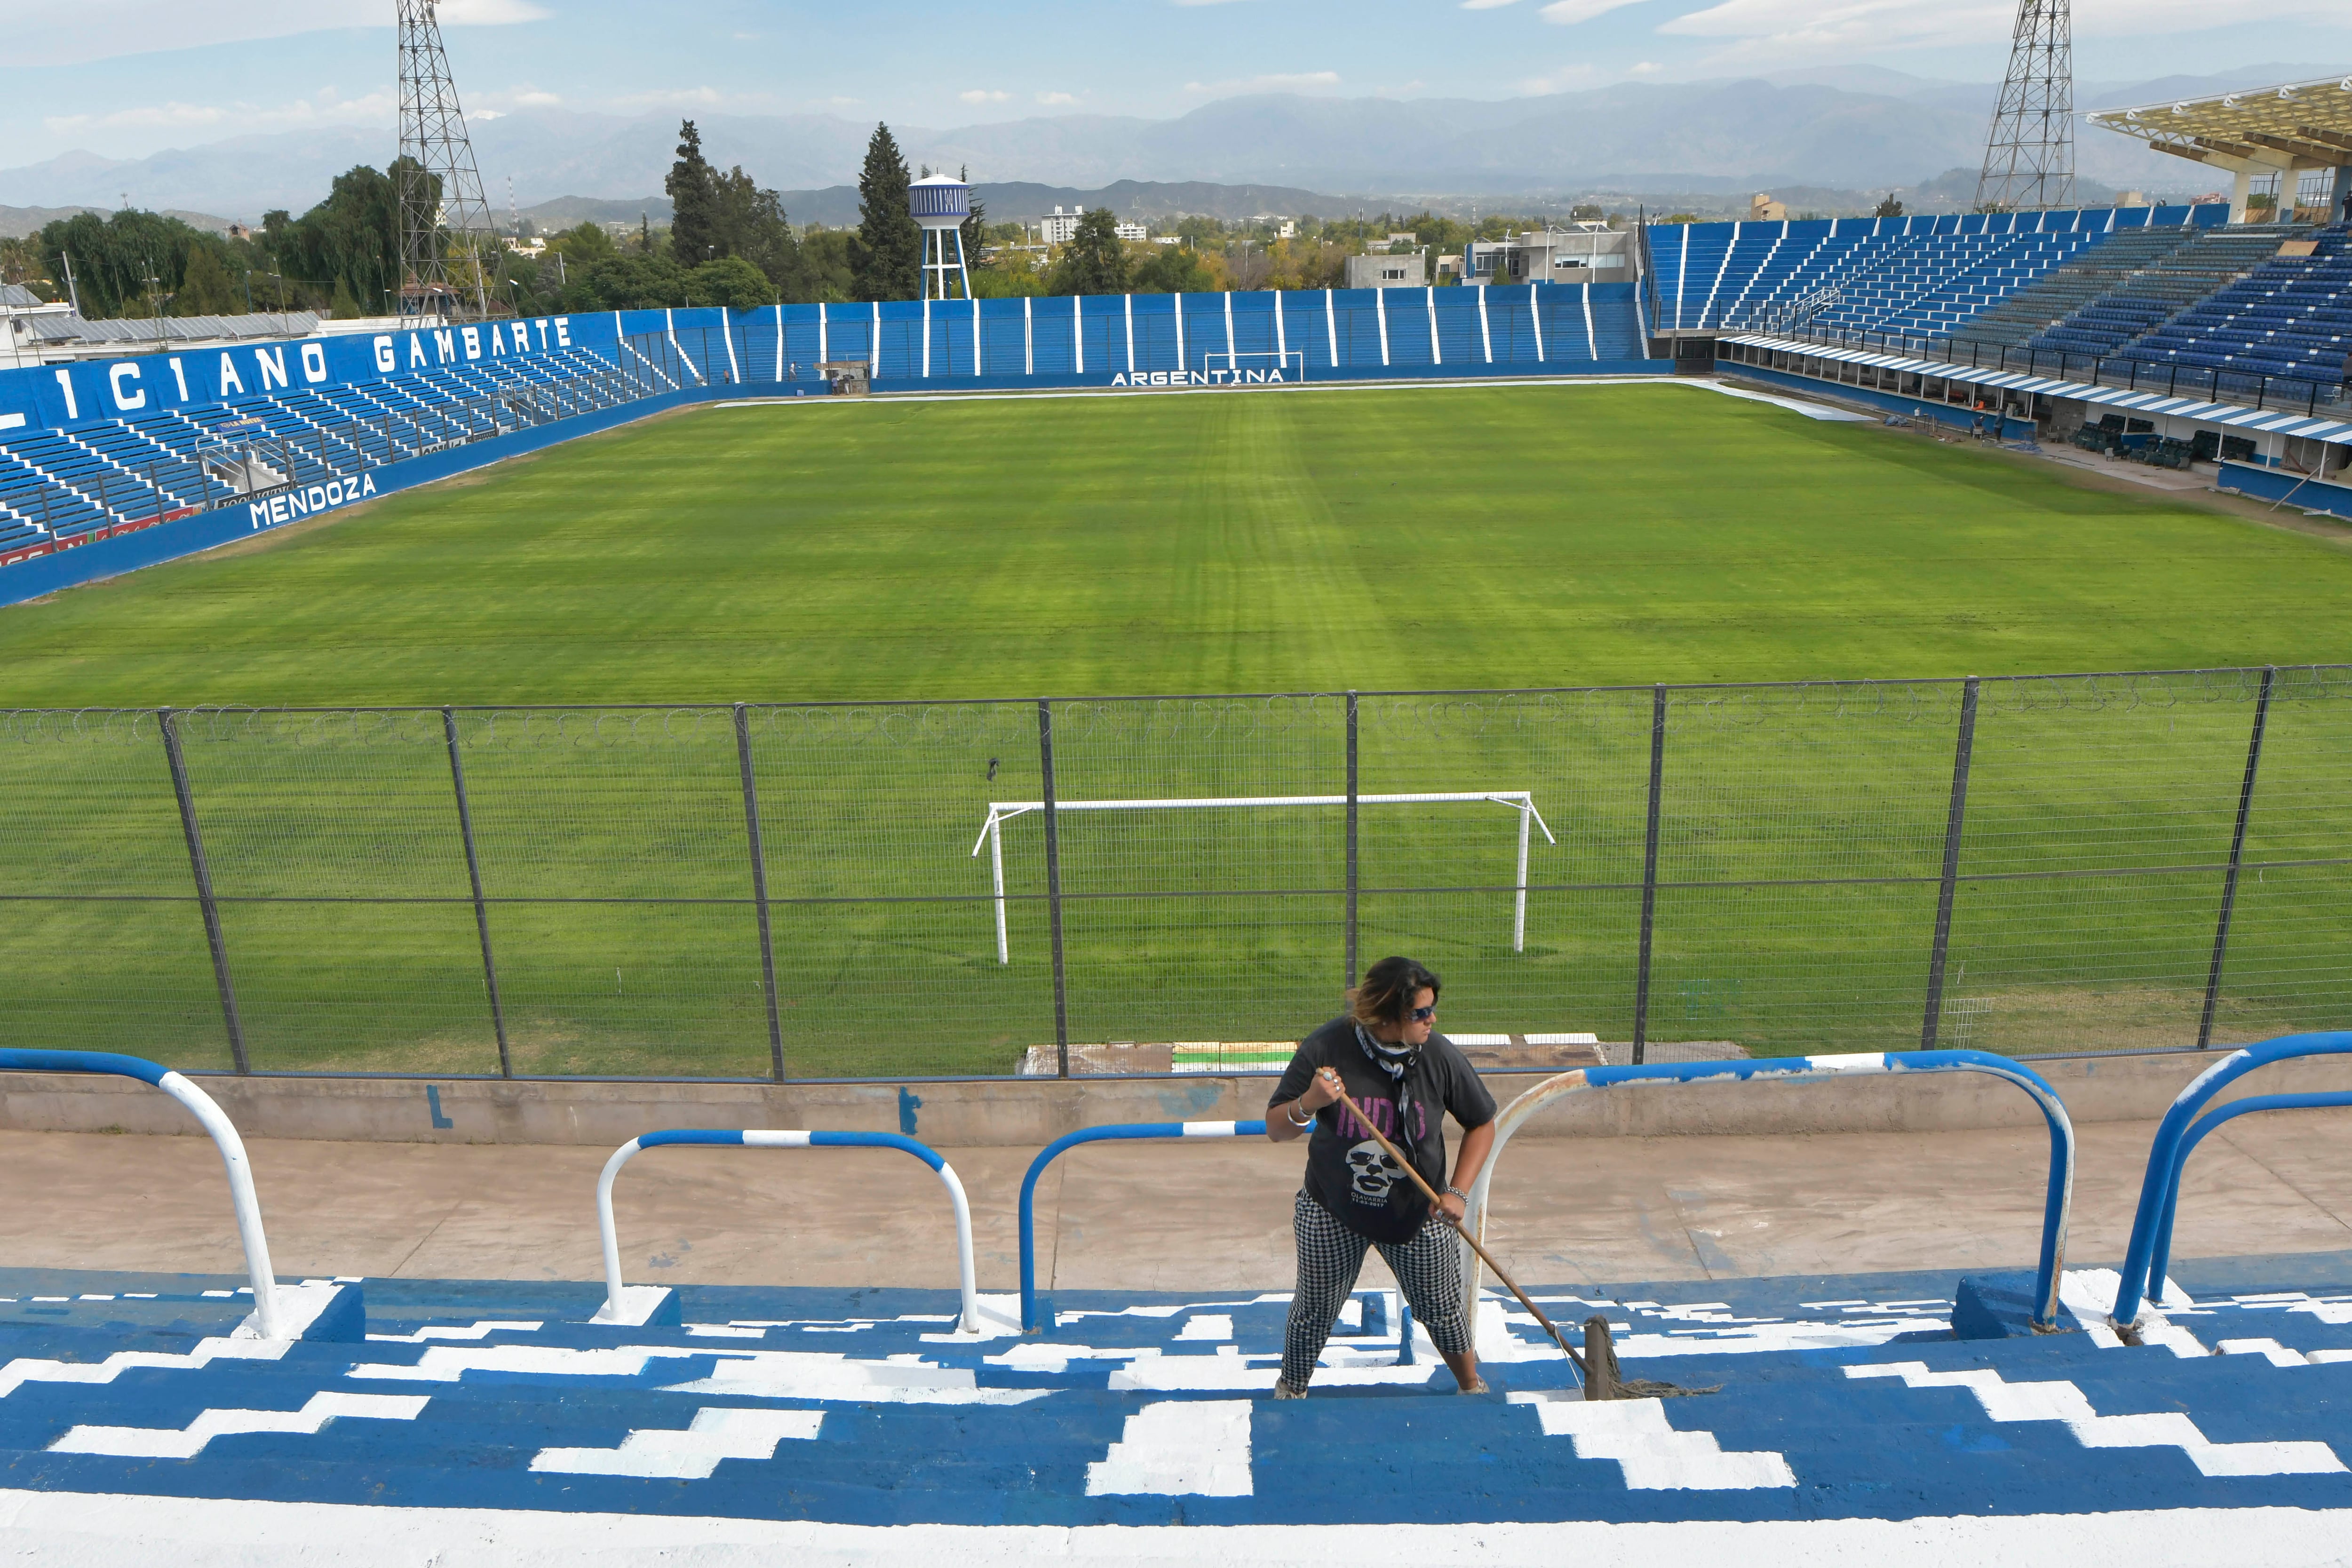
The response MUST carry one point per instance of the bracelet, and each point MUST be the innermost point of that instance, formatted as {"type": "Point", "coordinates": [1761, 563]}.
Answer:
{"type": "Point", "coordinates": [1457, 1192]}
{"type": "Point", "coordinates": [1291, 1115]}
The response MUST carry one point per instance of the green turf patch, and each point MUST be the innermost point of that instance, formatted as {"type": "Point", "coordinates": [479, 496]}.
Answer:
{"type": "Point", "coordinates": [1514, 536]}
{"type": "Point", "coordinates": [1483, 538]}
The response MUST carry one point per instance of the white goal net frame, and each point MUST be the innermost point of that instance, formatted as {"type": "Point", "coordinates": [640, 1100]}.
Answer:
{"type": "Point", "coordinates": [1290, 363]}
{"type": "Point", "coordinates": [1000, 812]}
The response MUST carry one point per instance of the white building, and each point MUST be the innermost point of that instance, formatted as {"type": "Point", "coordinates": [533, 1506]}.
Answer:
{"type": "Point", "coordinates": [1387, 271]}
{"type": "Point", "coordinates": [1135, 232]}
{"type": "Point", "coordinates": [1061, 227]}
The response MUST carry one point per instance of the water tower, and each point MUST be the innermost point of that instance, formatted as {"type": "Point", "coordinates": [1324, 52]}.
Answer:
{"type": "Point", "coordinates": [941, 203]}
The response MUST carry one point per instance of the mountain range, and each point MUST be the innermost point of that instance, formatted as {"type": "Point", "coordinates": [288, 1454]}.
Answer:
{"type": "Point", "coordinates": [1851, 127]}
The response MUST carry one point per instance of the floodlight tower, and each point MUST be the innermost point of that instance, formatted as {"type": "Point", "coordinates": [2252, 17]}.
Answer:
{"type": "Point", "coordinates": [941, 203]}
{"type": "Point", "coordinates": [2029, 162]}
{"type": "Point", "coordinates": [435, 150]}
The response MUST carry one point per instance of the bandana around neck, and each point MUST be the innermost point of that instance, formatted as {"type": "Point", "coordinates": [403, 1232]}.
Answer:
{"type": "Point", "coordinates": [1397, 1059]}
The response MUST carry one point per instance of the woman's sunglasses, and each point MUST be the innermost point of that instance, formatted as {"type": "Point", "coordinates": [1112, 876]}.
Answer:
{"type": "Point", "coordinates": [1423, 1014]}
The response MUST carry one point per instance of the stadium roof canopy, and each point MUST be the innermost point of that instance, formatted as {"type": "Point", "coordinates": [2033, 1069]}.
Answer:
{"type": "Point", "coordinates": [2279, 130]}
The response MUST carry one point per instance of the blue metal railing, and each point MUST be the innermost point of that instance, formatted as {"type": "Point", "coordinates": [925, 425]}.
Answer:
{"type": "Point", "coordinates": [2181, 1132]}
{"type": "Point", "coordinates": [1815, 1069]}
{"type": "Point", "coordinates": [764, 1138]}
{"type": "Point", "coordinates": [1036, 1312]}
{"type": "Point", "coordinates": [266, 1318]}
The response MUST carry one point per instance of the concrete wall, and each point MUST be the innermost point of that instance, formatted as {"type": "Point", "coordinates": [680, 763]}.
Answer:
{"type": "Point", "coordinates": [1026, 1113]}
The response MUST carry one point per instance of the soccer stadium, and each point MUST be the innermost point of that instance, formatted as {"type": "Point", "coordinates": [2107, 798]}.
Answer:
{"type": "Point", "coordinates": [701, 932]}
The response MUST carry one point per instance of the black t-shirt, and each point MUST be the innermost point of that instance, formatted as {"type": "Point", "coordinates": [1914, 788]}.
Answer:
{"type": "Point", "coordinates": [1346, 1172]}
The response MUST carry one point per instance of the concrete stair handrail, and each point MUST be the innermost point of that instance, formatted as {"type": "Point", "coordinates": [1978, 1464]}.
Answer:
{"type": "Point", "coordinates": [267, 1321]}
{"type": "Point", "coordinates": [2179, 1133]}
{"type": "Point", "coordinates": [1035, 1315]}
{"type": "Point", "coordinates": [761, 1138]}
{"type": "Point", "coordinates": [1810, 1069]}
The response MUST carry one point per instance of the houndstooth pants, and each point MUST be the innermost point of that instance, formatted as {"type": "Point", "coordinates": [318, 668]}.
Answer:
{"type": "Point", "coordinates": [1429, 1268]}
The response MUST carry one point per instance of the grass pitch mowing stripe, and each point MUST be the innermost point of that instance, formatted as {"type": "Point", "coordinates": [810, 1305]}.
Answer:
{"type": "Point", "coordinates": [1254, 541]}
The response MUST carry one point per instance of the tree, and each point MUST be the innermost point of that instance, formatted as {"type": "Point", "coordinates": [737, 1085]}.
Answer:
{"type": "Point", "coordinates": [692, 187]}
{"type": "Point", "coordinates": [344, 308]}
{"type": "Point", "coordinates": [1095, 260]}
{"type": "Point", "coordinates": [827, 272]}
{"type": "Point", "coordinates": [122, 261]}
{"type": "Point", "coordinates": [731, 281]}
{"type": "Point", "coordinates": [1177, 269]}
{"type": "Point", "coordinates": [628, 282]}
{"type": "Point", "coordinates": [1890, 208]}
{"type": "Point", "coordinates": [886, 258]}
{"type": "Point", "coordinates": [752, 226]}
{"type": "Point", "coordinates": [973, 231]}
{"type": "Point", "coordinates": [204, 287]}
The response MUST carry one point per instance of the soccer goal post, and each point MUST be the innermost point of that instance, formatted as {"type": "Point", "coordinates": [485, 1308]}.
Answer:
{"type": "Point", "coordinates": [1000, 812]}
{"type": "Point", "coordinates": [1248, 367]}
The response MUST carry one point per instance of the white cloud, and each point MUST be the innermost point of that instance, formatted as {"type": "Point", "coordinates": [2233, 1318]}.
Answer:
{"type": "Point", "coordinates": [327, 108]}
{"type": "Point", "coordinates": [85, 30]}
{"type": "Point", "coordinates": [1056, 99]}
{"type": "Point", "coordinates": [532, 98]}
{"type": "Point", "coordinates": [984, 95]}
{"type": "Point", "coordinates": [1772, 31]}
{"type": "Point", "coordinates": [1568, 13]}
{"type": "Point", "coordinates": [1279, 81]}
{"type": "Point", "coordinates": [1485, 4]}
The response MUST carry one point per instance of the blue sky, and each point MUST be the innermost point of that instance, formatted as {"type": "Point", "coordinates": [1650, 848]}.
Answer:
{"type": "Point", "coordinates": [127, 78]}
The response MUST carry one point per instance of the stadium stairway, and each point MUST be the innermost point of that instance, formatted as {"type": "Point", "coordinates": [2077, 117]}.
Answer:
{"type": "Point", "coordinates": [1842, 1398]}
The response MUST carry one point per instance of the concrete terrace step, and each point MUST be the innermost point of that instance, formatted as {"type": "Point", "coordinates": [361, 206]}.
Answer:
{"type": "Point", "coordinates": [1842, 1398]}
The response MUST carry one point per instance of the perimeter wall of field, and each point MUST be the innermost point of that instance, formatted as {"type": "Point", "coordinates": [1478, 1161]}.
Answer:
{"type": "Point", "coordinates": [2030, 866]}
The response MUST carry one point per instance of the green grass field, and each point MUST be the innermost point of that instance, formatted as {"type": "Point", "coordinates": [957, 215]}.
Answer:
{"type": "Point", "coordinates": [1552, 536]}
{"type": "Point", "coordinates": [1313, 541]}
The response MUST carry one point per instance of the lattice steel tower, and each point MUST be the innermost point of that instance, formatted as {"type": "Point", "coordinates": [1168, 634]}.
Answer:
{"type": "Point", "coordinates": [434, 148]}
{"type": "Point", "coordinates": [2030, 154]}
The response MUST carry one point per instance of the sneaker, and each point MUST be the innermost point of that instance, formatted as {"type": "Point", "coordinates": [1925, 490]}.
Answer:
{"type": "Point", "coordinates": [1477, 1385]}
{"type": "Point", "coordinates": [1284, 1391]}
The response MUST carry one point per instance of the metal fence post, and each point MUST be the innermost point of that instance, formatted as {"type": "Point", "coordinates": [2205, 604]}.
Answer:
{"type": "Point", "coordinates": [1053, 888]}
{"type": "Point", "coordinates": [1955, 816]}
{"type": "Point", "coordinates": [760, 888]}
{"type": "Point", "coordinates": [2237, 854]}
{"type": "Point", "coordinates": [1348, 979]}
{"type": "Point", "coordinates": [1649, 874]}
{"type": "Point", "coordinates": [168, 721]}
{"type": "Point", "coordinates": [473, 877]}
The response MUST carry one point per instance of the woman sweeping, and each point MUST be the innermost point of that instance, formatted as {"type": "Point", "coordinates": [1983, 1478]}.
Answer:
{"type": "Point", "coordinates": [1388, 1056]}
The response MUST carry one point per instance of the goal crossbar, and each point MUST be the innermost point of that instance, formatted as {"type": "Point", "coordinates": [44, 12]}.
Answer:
{"type": "Point", "coordinates": [1000, 812]}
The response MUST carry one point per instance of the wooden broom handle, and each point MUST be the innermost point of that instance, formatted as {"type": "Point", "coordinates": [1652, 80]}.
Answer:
{"type": "Point", "coordinates": [1438, 1206]}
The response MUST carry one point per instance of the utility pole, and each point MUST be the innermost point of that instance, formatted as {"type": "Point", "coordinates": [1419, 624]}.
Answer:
{"type": "Point", "coordinates": [2029, 163]}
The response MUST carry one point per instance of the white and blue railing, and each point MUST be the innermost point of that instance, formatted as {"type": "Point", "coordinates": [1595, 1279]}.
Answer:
{"type": "Point", "coordinates": [2181, 1131]}
{"type": "Point", "coordinates": [1037, 1311]}
{"type": "Point", "coordinates": [2057, 1205]}
{"type": "Point", "coordinates": [757, 1138]}
{"type": "Point", "coordinates": [267, 1319]}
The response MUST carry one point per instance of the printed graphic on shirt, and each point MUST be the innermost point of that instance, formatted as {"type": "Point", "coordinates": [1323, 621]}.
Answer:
{"type": "Point", "coordinates": [1383, 1115]}
{"type": "Point", "coordinates": [1371, 1172]}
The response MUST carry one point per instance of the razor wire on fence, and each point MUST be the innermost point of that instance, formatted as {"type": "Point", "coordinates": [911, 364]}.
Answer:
{"type": "Point", "coordinates": [2026, 865]}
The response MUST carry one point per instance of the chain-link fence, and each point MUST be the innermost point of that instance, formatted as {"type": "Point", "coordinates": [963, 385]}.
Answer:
{"type": "Point", "coordinates": [902, 889]}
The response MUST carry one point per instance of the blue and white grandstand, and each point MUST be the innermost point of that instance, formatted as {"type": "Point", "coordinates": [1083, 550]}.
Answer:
{"type": "Point", "coordinates": [1925, 276]}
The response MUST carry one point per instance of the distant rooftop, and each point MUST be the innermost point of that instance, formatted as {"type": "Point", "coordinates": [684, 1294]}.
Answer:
{"type": "Point", "coordinates": [57, 334]}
